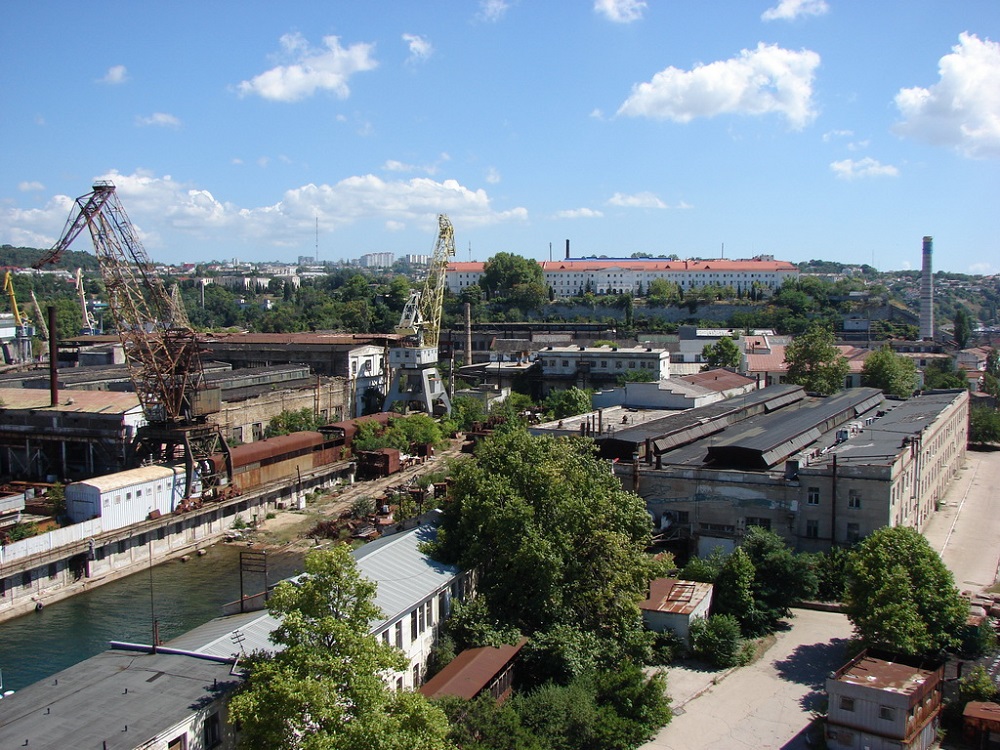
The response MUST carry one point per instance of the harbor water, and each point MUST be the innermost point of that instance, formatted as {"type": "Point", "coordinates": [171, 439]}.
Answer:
{"type": "Point", "coordinates": [179, 595]}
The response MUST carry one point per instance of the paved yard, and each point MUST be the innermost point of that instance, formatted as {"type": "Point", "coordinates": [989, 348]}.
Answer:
{"type": "Point", "coordinates": [765, 705]}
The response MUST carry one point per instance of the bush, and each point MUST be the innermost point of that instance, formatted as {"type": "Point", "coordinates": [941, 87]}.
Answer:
{"type": "Point", "coordinates": [718, 640]}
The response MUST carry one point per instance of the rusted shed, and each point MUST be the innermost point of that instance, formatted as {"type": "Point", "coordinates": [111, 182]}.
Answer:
{"type": "Point", "coordinates": [981, 723]}
{"type": "Point", "coordinates": [476, 671]}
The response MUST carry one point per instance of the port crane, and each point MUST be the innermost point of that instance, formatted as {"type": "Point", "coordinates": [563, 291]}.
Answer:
{"type": "Point", "coordinates": [161, 350]}
{"type": "Point", "coordinates": [23, 332]}
{"type": "Point", "coordinates": [88, 326]}
{"type": "Point", "coordinates": [416, 381]}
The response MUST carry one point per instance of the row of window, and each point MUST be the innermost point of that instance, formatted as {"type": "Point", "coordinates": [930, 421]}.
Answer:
{"type": "Point", "coordinates": [853, 497]}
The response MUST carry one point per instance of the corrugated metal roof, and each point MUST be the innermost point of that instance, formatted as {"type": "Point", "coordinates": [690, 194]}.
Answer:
{"type": "Point", "coordinates": [405, 577]}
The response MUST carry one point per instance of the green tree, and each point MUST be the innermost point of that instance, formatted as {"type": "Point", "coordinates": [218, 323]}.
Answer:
{"type": "Point", "coordinates": [292, 421]}
{"type": "Point", "coordinates": [505, 271]}
{"type": "Point", "coordinates": [781, 579]}
{"type": "Point", "coordinates": [718, 640]}
{"type": "Point", "coordinates": [733, 594]}
{"type": "Point", "coordinates": [963, 327]}
{"type": "Point", "coordinates": [984, 425]}
{"type": "Point", "coordinates": [568, 403]}
{"type": "Point", "coordinates": [815, 363]}
{"type": "Point", "coordinates": [941, 373]}
{"type": "Point", "coordinates": [893, 374]}
{"type": "Point", "coordinates": [900, 596]}
{"type": "Point", "coordinates": [574, 541]}
{"type": "Point", "coordinates": [723, 353]}
{"type": "Point", "coordinates": [325, 687]}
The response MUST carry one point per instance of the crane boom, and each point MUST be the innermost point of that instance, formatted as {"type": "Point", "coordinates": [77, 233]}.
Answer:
{"type": "Point", "coordinates": [8, 288]}
{"type": "Point", "coordinates": [88, 326]}
{"type": "Point", "coordinates": [161, 350]}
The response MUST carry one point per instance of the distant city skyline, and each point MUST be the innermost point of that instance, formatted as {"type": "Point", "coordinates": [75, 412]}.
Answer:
{"type": "Point", "coordinates": [802, 129]}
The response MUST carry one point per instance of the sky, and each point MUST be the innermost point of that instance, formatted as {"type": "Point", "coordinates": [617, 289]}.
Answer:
{"type": "Point", "coordinates": [263, 131]}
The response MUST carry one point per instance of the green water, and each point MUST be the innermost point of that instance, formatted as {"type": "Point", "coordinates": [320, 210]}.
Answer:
{"type": "Point", "coordinates": [184, 595]}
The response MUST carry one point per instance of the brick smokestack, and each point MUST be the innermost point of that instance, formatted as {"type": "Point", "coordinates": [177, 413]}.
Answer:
{"type": "Point", "coordinates": [567, 249]}
{"type": "Point", "coordinates": [927, 292]}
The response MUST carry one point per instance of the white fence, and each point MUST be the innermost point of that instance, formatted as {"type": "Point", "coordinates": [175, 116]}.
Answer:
{"type": "Point", "coordinates": [50, 540]}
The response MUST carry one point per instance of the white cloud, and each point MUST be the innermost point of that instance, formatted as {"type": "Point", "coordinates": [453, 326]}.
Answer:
{"type": "Point", "coordinates": [637, 200]}
{"type": "Point", "coordinates": [852, 169]}
{"type": "Point", "coordinates": [962, 109]}
{"type": "Point", "coordinates": [789, 10]}
{"type": "Point", "coordinates": [830, 135]}
{"type": "Point", "coordinates": [391, 165]}
{"type": "Point", "coordinates": [492, 10]}
{"type": "Point", "coordinates": [159, 119]}
{"type": "Point", "coordinates": [116, 74]}
{"type": "Point", "coordinates": [620, 11]}
{"type": "Point", "coordinates": [311, 70]}
{"type": "Point", "coordinates": [579, 213]}
{"type": "Point", "coordinates": [492, 175]}
{"type": "Point", "coordinates": [166, 211]}
{"type": "Point", "coordinates": [767, 79]}
{"type": "Point", "coordinates": [420, 48]}
{"type": "Point", "coordinates": [30, 187]}
{"type": "Point", "coordinates": [983, 269]}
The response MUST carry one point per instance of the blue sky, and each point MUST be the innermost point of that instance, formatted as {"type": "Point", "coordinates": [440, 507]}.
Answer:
{"type": "Point", "coordinates": [836, 129]}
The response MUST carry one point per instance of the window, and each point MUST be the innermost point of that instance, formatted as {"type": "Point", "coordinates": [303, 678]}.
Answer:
{"type": "Point", "coordinates": [813, 496]}
{"type": "Point", "coordinates": [812, 529]}
{"type": "Point", "coordinates": [53, 569]}
{"type": "Point", "coordinates": [428, 612]}
{"type": "Point", "coordinates": [385, 637]}
{"type": "Point", "coordinates": [26, 579]}
{"type": "Point", "coordinates": [764, 523]}
{"type": "Point", "coordinates": [416, 675]}
{"type": "Point", "coordinates": [854, 499]}
{"type": "Point", "coordinates": [853, 532]}
{"type": "Point", "coordinates": [846, 704]}
{"type": "Point", "coordinates": [413, 625]}
{"type": "Point", "coordinates": [399, 634]}
{"type": "Point", "coordinates": [258, 430]}
{"type": "Point", "coordinates": [886, 713]}
{"type": "Point", "coordinates": [422, 616]}
{"type": "Point", "coordinates": [213, 731]}
{"type": "Point", "coordinates": [178, 743]}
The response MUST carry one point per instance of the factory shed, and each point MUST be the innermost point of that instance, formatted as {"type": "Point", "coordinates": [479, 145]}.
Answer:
{"type": "Point", "coordinates": [476, 671]}
{"type": "Point", "coordinates": [765, 441]}
{"type": "Point", "coordinates": [674, 604]}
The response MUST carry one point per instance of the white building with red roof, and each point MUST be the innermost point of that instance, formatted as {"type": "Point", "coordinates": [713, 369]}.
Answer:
{"type": "Point", "coordinates": [628, 275]}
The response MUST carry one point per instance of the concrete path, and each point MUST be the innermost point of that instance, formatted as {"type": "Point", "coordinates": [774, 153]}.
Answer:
{"type": "Point", "coordinates": [765, 705]}
{"type": "Point", "coordinates": [966, 530]}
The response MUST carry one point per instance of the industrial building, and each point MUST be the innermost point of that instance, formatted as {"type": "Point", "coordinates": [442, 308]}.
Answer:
{"type": "Point", "coordinates": [818, 471]}
{"type": "Point", "coordinates": [881, 701]}
{"type": "Point", "coordinates": [84, 428]}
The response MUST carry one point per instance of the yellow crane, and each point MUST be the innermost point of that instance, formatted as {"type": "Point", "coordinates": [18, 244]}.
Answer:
{"type": "Point", "coordinates": [416, 382]}
{"type": "Point", "coordinates": [22, 331]}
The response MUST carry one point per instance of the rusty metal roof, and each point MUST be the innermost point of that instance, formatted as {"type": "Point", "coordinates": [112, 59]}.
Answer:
{"type": "Point", "coordinates": [886, 674]}
{"type": "Point", "coordinates": [260, 450]}
{"type": "Point", "coordinates": [91, 402]}
{"type": "Point", "coordinates": [471, 671]}
{"type": "Point", "coordinates": [675, 596]}
{"type": "Point", "coordinates": [984, 711]}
